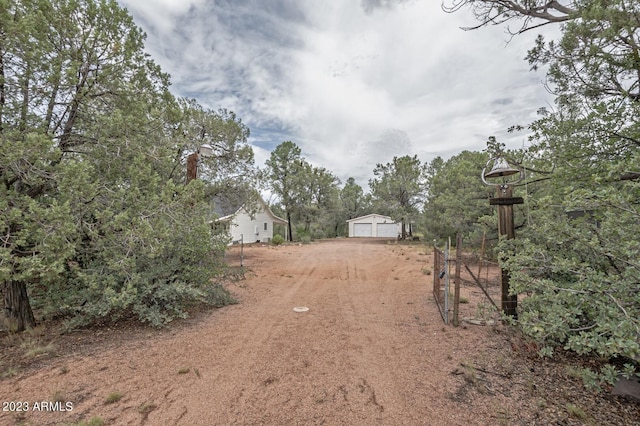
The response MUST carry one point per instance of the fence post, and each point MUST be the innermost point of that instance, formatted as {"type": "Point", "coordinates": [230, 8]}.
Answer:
{"type": "Point", "coordinates": [241, 250]}
{"type": "Point", "coordinates": [436, 267]}
{"type": "Point", "coordinates": [484, 237]}
{"type": "Point", "coordinates": [447, 259]}
{"type": "Point", "coordinates": [456, 294]}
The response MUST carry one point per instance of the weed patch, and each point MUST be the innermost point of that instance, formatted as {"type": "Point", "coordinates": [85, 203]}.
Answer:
{"type": "Point", "coordinates": [113, 397]}
{"type": "Point", "coordinates": [94, 421]}
{"type": "Point", "coordinates": [576, 411]}
{"type": "Point", "coordinates": [32, 347]}
{"type": "Point", "coordinates": [146, 408]}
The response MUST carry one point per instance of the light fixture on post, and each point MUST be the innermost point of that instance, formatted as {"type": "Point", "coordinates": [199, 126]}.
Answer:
{"type": "Point", "coordinates": [206, 150]}
{"type": "Point", "coordinates": [504, 200]}
{"type": "Point", "coordinates": [192, 160]}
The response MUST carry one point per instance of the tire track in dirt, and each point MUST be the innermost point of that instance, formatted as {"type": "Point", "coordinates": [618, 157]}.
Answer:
{"type": "Point", "coordinates": [365, 316]}
{"type": "Point", "coordinates": [266, 322]}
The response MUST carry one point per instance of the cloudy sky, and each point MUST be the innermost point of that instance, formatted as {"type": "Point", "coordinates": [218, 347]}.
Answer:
{"type": "Point", "coordinates": [352, 82]}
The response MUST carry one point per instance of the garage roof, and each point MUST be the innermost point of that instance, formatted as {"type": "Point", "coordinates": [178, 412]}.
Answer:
{"type": "Point", "coordinates": [370, 215]}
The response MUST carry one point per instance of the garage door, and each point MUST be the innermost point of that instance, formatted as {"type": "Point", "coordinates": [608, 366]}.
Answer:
{"type": "Point", "coordinates": [361, 229]}
{"type": "Point", "coordinates": [387, 230]}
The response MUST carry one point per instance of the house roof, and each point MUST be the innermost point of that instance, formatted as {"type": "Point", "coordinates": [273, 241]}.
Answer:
{"type": "Point", "coordinates": [277, 219]}
{"type": "Point", "coordinates": [370, 215]}
{"type": "Point", "coordinates": [227, 207]}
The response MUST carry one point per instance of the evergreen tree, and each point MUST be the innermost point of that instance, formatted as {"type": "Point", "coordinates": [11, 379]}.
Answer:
{"type": "Point", "coordinates": [578, 260]}
{"type": "Point", "coordinates": [95, 220]}
{"type": "Point", "coordinates": [457, 200]}
{"type": "Point", "coordinates": [399, 188]}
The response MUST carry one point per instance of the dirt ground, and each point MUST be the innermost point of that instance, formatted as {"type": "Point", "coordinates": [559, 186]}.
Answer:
{"type": "Point", "coordinates": [371, 349]}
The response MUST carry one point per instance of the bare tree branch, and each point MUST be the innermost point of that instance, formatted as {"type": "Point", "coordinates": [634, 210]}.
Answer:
{"type": "Point", "coordinates": [496, 12]}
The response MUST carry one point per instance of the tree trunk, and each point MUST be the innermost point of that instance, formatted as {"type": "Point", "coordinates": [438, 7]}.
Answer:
{"type": "Point", "coordinates": [404, 230]}
{"type": "Point", "coordinates": [17, 306]}
{"type": "Point", "coordinates": [24, 109]}
{"type": "Point", "coordinates": [289, 225]}
{"type": "Point", "coordinates": [52, 103]}
{"type": "Point", "coordinates": [69, 125]}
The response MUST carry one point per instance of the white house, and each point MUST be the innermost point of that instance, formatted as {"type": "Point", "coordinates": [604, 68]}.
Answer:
{"type": "Point", "coordinates": [374, 226]}
{"type": "Point", "coordinates": [249, 225]}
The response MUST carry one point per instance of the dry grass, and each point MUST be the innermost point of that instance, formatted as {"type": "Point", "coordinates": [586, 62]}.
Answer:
{"type": "Point", "coordinates": [59, 397]}
{"type": "Point", "coordinates": [577, 412]}
{"type": "Point", "coordinates": [146, 408]}
{"type": "Point", "coordinates": [95, 421]}
{"type": "Point", "coordinates": [33, 347]}
{"type": "Point", "coordinates": [113, 397]}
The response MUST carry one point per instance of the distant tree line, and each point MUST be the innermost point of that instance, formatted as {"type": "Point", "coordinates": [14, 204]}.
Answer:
{"type": "Point", "coordinates": [317, 206]}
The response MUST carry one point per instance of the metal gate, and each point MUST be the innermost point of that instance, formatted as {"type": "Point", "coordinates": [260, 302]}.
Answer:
{"type": "Point", "coordinates": [472, 291]}
{"type": "Point", "coordinates": [481, 283]}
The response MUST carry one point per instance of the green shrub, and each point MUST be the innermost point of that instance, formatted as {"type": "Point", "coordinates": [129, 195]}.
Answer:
{"type": "Point", "coordinates": [581, 284]}
{"type": "Point", "coordinates": [303, 235]}
{"type": "Point", "coordinates": [305, 239]}
{"type": "Point", "coordinates": [277, 239]}
{"type": "Point", "coordinates": [152, 267]}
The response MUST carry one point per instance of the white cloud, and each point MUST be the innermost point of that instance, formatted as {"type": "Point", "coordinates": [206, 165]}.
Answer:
{"type": "Point", "coordinates": [352, 83]}
{"type": "Point", "coordinates": [159, 15]}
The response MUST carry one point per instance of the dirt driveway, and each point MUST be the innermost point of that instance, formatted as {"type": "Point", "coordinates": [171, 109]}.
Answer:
{"type": "Point", "coordinates": [371, 349]}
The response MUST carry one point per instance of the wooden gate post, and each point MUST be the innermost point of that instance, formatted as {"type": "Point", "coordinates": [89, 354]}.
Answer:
{"type": "Point", "coordinates": [506, 229]}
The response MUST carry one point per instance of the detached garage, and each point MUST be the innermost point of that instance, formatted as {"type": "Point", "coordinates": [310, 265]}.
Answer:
{"type": "Point", "coordinates": [373, 226]}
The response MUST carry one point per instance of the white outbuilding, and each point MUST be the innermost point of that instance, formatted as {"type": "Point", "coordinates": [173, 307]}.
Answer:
{"type": "Point", "coordinates": [373, 226]}
{"type": "Point", "coordinates": [244, 224]}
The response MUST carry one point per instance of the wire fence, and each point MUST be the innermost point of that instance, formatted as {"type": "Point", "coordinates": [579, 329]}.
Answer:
{"type": "Point", "coordinates": [480, 289]}
{"type": "Point", "coordinates": [466, 286]}
{"type": "Point", "coordinates": [441, 280]}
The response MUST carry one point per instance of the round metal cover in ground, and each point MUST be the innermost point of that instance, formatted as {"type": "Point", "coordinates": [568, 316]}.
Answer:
{"type": "Point", "coordinates": [300, 309]}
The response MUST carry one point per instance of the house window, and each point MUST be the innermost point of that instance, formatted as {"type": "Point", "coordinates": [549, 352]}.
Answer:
{"type": "Point", "coordinates": [265, 226]}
